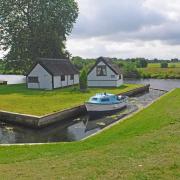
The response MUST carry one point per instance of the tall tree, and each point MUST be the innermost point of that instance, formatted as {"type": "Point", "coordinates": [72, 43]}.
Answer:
{"type": "Point", "coordinates": [35, 28]}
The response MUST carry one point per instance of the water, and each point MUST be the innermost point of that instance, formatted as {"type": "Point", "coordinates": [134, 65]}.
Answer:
{"type": "Point", "coordinates": [74, 129]}
{"type": "Point", "coordinates": [13, 79]}
{"type": "Point", "coordinates": [164, 84]}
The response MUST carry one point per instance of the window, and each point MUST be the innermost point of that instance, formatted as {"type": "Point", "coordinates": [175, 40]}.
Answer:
{"type": "Point", "coordinates": [105, 100]}
{"type": "Point", "coordinates": [112, 76]}
{"type": "Point", "coordinates": [101, 70]}
{"type": "Point", "coordinates": [72, 77]}
{"type": "Point", "coordinates": [62, 78]}
{"type": "Point", "coordinates": [33, 79]}
{"type": "Point", "coordinates": [94, 99]}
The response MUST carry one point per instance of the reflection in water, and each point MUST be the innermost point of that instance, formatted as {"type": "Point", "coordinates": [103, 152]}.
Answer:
{"type": "Point", "coordinates": [74, 129]}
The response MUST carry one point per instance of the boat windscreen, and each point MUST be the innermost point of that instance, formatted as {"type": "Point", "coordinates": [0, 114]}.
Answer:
{"type": "Point", "coordinates": [94, 99]}
{"type": "Point", "coordinates": [104, 100]}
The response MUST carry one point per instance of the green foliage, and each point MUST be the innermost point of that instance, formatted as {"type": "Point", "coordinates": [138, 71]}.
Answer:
{"type": "Point", "coordinates": [83, 80]}
{"type": "Point", "coordinates": [160, 73]}
{"type": "Point", "coordinates": [164, 65]}
{"type": "Point", "coordinates": [142, 63]}
{"type": "Point", "coordinates": [130, 70]}
{"type": "Point", "coordinates": [81, 63]}
{"type": "Point", "coordinates": [36, 28]}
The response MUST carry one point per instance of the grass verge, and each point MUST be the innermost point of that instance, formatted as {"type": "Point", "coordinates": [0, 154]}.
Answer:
{"type": "Point", "coordinates": [145, 146]}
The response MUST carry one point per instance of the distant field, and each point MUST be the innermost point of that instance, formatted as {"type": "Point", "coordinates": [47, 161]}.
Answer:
{"type": "Point", "coordinates": [158, 65]}
{"type": "Point", "coordinates": [154, 70]}
{"type": "Point", "coordinates": [162, 73]}
{"type": "Point", "coordinates": [19, 99]}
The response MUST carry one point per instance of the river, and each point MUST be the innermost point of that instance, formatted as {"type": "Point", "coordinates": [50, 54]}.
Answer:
{"type": "Point", "coordinates": [13, 79]}
{"type": "Point", "coordinates": [164, 84]}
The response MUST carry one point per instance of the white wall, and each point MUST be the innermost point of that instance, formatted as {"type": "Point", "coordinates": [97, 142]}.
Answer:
{"type": "Point", "coordinates": [68, 82]}
{"type": "Point", "coordinates": [45, 79]}
{"type": "Point", "coordinates": [104, 81]}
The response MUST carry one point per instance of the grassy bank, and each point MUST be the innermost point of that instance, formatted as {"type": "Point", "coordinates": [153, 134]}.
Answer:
{"type": "Point", "coordinates": [17, 98]}
{"type": "Point", "coordinates": [160, 73]}
{"type": "Point", "coordinates": [145, 146]}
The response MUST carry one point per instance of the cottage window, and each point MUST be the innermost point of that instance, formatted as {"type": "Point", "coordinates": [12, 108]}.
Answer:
{"type": "Point", "coordinates": [101, 70]}
{"type": "Point", "coordinates": [62, 78]}
{"type": "Point", "coordinates": [112, 76]}
{"type": "Point", "coordinates": [33, 79]}
{"type": "Point", "coordinates": [72, 77]}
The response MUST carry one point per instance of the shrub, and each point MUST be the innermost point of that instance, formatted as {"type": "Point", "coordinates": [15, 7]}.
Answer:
{"type": "Point", "coordinates": [164, 65]}
{"type": "Point", "coordinates": [83, 80]}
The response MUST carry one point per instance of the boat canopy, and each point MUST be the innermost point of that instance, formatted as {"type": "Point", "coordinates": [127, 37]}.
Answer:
{"type": "Point", "coordinates": [104, 98]}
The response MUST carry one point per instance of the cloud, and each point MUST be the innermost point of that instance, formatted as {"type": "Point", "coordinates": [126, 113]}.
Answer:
{"type": "Point", "coordinates": [103, 17]}
{"type": "Point", "coordinates": [127, 28]}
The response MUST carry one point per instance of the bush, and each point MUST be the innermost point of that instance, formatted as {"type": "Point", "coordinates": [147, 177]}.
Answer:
{"type": "Point", "coordinates": [164, 65]}
{"type": "Point", "coordinates": [142, 63]}
{"type": "Point", "coordinates": [83, 80]}
{"type": "Point", "coordinates": [130, 70]}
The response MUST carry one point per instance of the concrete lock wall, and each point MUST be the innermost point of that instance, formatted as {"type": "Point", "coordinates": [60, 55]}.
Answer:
{"type": "Point", "coordinates": [42, 121]}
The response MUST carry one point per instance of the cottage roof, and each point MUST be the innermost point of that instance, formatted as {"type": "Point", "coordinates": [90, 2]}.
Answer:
{"type": "Point", "coordinates": [114, 67]}
{"type": "Point", "coordinates": [57, 67]}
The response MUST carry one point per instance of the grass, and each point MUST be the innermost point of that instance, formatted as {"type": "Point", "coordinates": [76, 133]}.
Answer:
{"type": "Point", "coordinates": [19, 99]}
{"type": "Point", "coordinates": [145, 146]}
{"type": "Point", "coordinates": [158, 65]}
{"type": "Point", "coordinates": [162, 73]}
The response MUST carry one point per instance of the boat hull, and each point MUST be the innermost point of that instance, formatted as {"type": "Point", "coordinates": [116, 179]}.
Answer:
{"type": "Point", "coordinates": [96, 110]}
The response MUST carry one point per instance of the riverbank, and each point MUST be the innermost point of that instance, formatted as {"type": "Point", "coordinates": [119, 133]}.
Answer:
{"type": "Point", "coordinates": [159, 73]}
{"type": "Point", "coordinates": [19, 99]}
{"type": "Point", "coordinates": [145, 146]}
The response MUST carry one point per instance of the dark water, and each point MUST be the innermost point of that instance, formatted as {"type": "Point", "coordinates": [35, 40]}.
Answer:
{"type": "Point", "coordinates": [164, 84]}
{"type": "Point", "coordinates": [74, 129]}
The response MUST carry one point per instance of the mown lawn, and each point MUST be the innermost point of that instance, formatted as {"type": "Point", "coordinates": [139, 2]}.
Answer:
{"type": "Point", "coordinates": [17, 98]}
{"type": "Point", "coordinates": [145, 146]}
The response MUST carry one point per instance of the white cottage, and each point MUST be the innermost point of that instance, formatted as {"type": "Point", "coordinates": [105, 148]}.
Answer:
{"type": "Point", "coordinates": [105, 74]}
{"type": "Point", "coordinates": [52, 73]}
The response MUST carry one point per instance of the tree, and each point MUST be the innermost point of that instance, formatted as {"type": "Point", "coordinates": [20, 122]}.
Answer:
{"type": "Point", "coordinates": [35, 28]}
{"type": "Point", "coordinates": [130, 70]}
{"type": "Point", "coordinates": [83, 80]}
{"type": "Point", "coordinates": [164, 65]}
{"type": "Point", "coordinates": [142, 63]}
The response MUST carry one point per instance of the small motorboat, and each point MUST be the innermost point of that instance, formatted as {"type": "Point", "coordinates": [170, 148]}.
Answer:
{"type": "Point", "coordinates": [105, 104]}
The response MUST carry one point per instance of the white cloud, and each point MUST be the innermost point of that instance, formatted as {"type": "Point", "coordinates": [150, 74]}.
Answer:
{"type": "Point", "coordinates": [126, 28]}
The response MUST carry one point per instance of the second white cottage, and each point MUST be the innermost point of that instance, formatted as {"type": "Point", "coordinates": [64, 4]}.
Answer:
{"type": "Point", "coordinates": [105, 74]}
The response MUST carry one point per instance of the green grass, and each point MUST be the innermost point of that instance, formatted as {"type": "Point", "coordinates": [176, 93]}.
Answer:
{"type": "Point", "coordinates": [158, 65]}
{"type": "Point", "coordinates": [19, 99]}
{"type": "Point", "coordinates": [162, 73]}
{"type": "Point", "coordinates": [145, 146]}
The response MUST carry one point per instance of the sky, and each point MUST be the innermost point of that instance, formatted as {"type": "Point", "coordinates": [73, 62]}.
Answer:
{"type": "Point", "coordinates": [127, 28]}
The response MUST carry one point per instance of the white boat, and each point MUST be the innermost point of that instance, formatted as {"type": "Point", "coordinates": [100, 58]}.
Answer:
{"type": "Point", "coordinates": [102, 104]}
